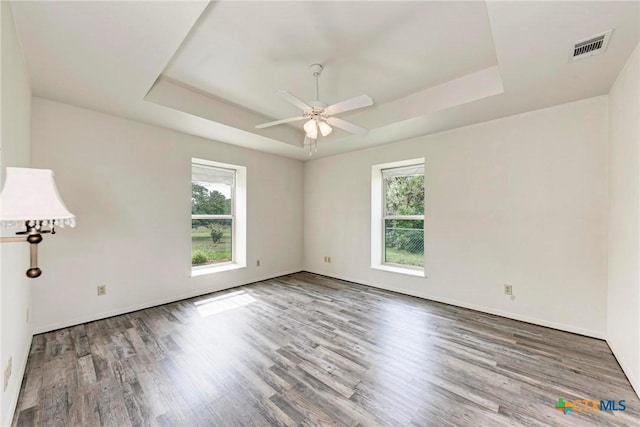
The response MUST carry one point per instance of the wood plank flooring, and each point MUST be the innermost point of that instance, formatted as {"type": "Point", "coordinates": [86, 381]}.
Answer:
{"type": "Point", "coordinates": [307, 350]}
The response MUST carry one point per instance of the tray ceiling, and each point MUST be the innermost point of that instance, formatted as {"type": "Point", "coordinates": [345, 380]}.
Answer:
{"type": "Point", "coordinates": [212, 69]}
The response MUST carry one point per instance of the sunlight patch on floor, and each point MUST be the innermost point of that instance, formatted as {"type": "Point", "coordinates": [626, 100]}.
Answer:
{"type": "Point", "coordinates": [219, 304]}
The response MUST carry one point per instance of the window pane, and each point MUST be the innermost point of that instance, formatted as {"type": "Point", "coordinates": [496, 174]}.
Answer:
{"type": "Point", "coordinates": [211, 190]}
{"type": "Point", "coordinates": [404, 242]}
{"type": "Point", "coordinates": [210, 241]}
{"type": "Point", "coordinates": [404, 195]}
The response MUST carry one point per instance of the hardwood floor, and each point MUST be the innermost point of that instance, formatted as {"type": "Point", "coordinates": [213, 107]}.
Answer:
{"type": "Point", "coordinates": [309, 350]}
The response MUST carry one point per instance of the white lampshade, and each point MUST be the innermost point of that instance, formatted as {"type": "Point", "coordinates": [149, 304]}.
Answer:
{"type": "Point", "coordinates": [325, 129]}
{"type": "Point", "coordinates": [311, 128]}
{"type": "Point", "coordinates": [31, 195]}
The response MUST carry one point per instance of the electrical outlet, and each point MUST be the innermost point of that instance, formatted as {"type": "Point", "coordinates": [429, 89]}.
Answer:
{"type": "Point", "coordinates": [258, 263]}
{"type": "Point", "coordinates": [27, 316]}
{"type": "Point", "coordinates": [508, 290]}
{"type": "Point", "coordinates": [329, 259]}
{"type": "Point", "coordinates": [102, 289]}
{"type": "Point", "coordinates": [325, 259]}
{"type": "Point", "coordinates": [7, 375]}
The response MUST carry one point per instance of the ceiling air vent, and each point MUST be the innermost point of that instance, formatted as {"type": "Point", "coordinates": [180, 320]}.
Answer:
{"type": "Point", "coordinates": [591, 46]}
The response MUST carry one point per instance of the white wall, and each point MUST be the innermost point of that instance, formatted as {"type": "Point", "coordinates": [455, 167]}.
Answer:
{"type": "Point", "coordinates": [519, 200]}
{"type": "Point", "coordinates": [15, 150]}
{"type": "Point", "coordinates": [623, 294]}
{"type": "Point", "coordinates": [129, 184]}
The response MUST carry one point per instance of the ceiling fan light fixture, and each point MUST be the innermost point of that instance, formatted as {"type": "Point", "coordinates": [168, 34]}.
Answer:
{"type": "Point", "coordinates": [311, 128]}
{"type": "Point", "coordinates": [320, 117]}
{"type": "Point", "coordinates": [325, 129]}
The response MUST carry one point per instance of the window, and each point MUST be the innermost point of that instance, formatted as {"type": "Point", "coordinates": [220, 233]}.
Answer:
{"type": "Point", "coordinates": [403, 199]}
{"type": "Point", "coordinates": [398, 216]}
{"type": "Point", "coordinates": [217, 215]}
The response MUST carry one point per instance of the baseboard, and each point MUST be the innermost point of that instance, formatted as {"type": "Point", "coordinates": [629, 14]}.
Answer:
{"type": "Point", "coordinates": [633, 381]}
{"type": "Point", "coordinates": [483, 309]}
{"type": "Point", "coordinates": [153, 303]}
{"type": "Point", "coordinates": [13, 403]}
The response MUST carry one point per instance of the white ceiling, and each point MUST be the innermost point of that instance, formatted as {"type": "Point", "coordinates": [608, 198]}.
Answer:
{"type": "Point", "coordinates": [212, 70]}
{"type": "Point", "coordinates": [383, 49]}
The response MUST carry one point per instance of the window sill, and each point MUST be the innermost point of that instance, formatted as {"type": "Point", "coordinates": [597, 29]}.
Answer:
{"type": "Point", "coordinates": [400, 270]}
{"type": "Point", "coordinates": [201, 271]}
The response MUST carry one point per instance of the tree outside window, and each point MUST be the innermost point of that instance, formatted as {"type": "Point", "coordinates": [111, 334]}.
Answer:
{"type": "Point", "coordinates": [212, 215]}
{"type": "Point", "coordinates": [403, 215]}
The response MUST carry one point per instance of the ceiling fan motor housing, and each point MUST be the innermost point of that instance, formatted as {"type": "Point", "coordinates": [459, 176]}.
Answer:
{"type": "Point", "coordinates": [317, 110]}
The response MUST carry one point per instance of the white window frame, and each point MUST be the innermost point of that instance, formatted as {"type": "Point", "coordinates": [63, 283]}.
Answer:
{"type": "Point", "coordinates": [238, 218]}
{"type": "Point", "coordinates": [378, 216]}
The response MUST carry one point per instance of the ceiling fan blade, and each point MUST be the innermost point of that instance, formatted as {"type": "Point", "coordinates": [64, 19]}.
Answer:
{"type": "Point", "coordinates": [347, 126]}
{"type": "Point", "coordinates": [350, 104]}
{"type": "Point", "coordinates": [293, 100]}
{"type": "Point", "coordinates": [279, 122]}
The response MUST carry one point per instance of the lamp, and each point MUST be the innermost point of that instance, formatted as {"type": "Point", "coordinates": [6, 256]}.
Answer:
{"type": "Point", "coordinates": [313, 125]}
{"type": "Point", "coordinates": [324, 127]}
{"type": "Point", "coordinates": [311, 128]}
{"type": "Point", "coordinates": [30, 197]}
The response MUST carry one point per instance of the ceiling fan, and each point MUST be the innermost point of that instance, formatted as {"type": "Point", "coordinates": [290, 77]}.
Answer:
{"type": "Point", "coordinates": [320, 116]}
